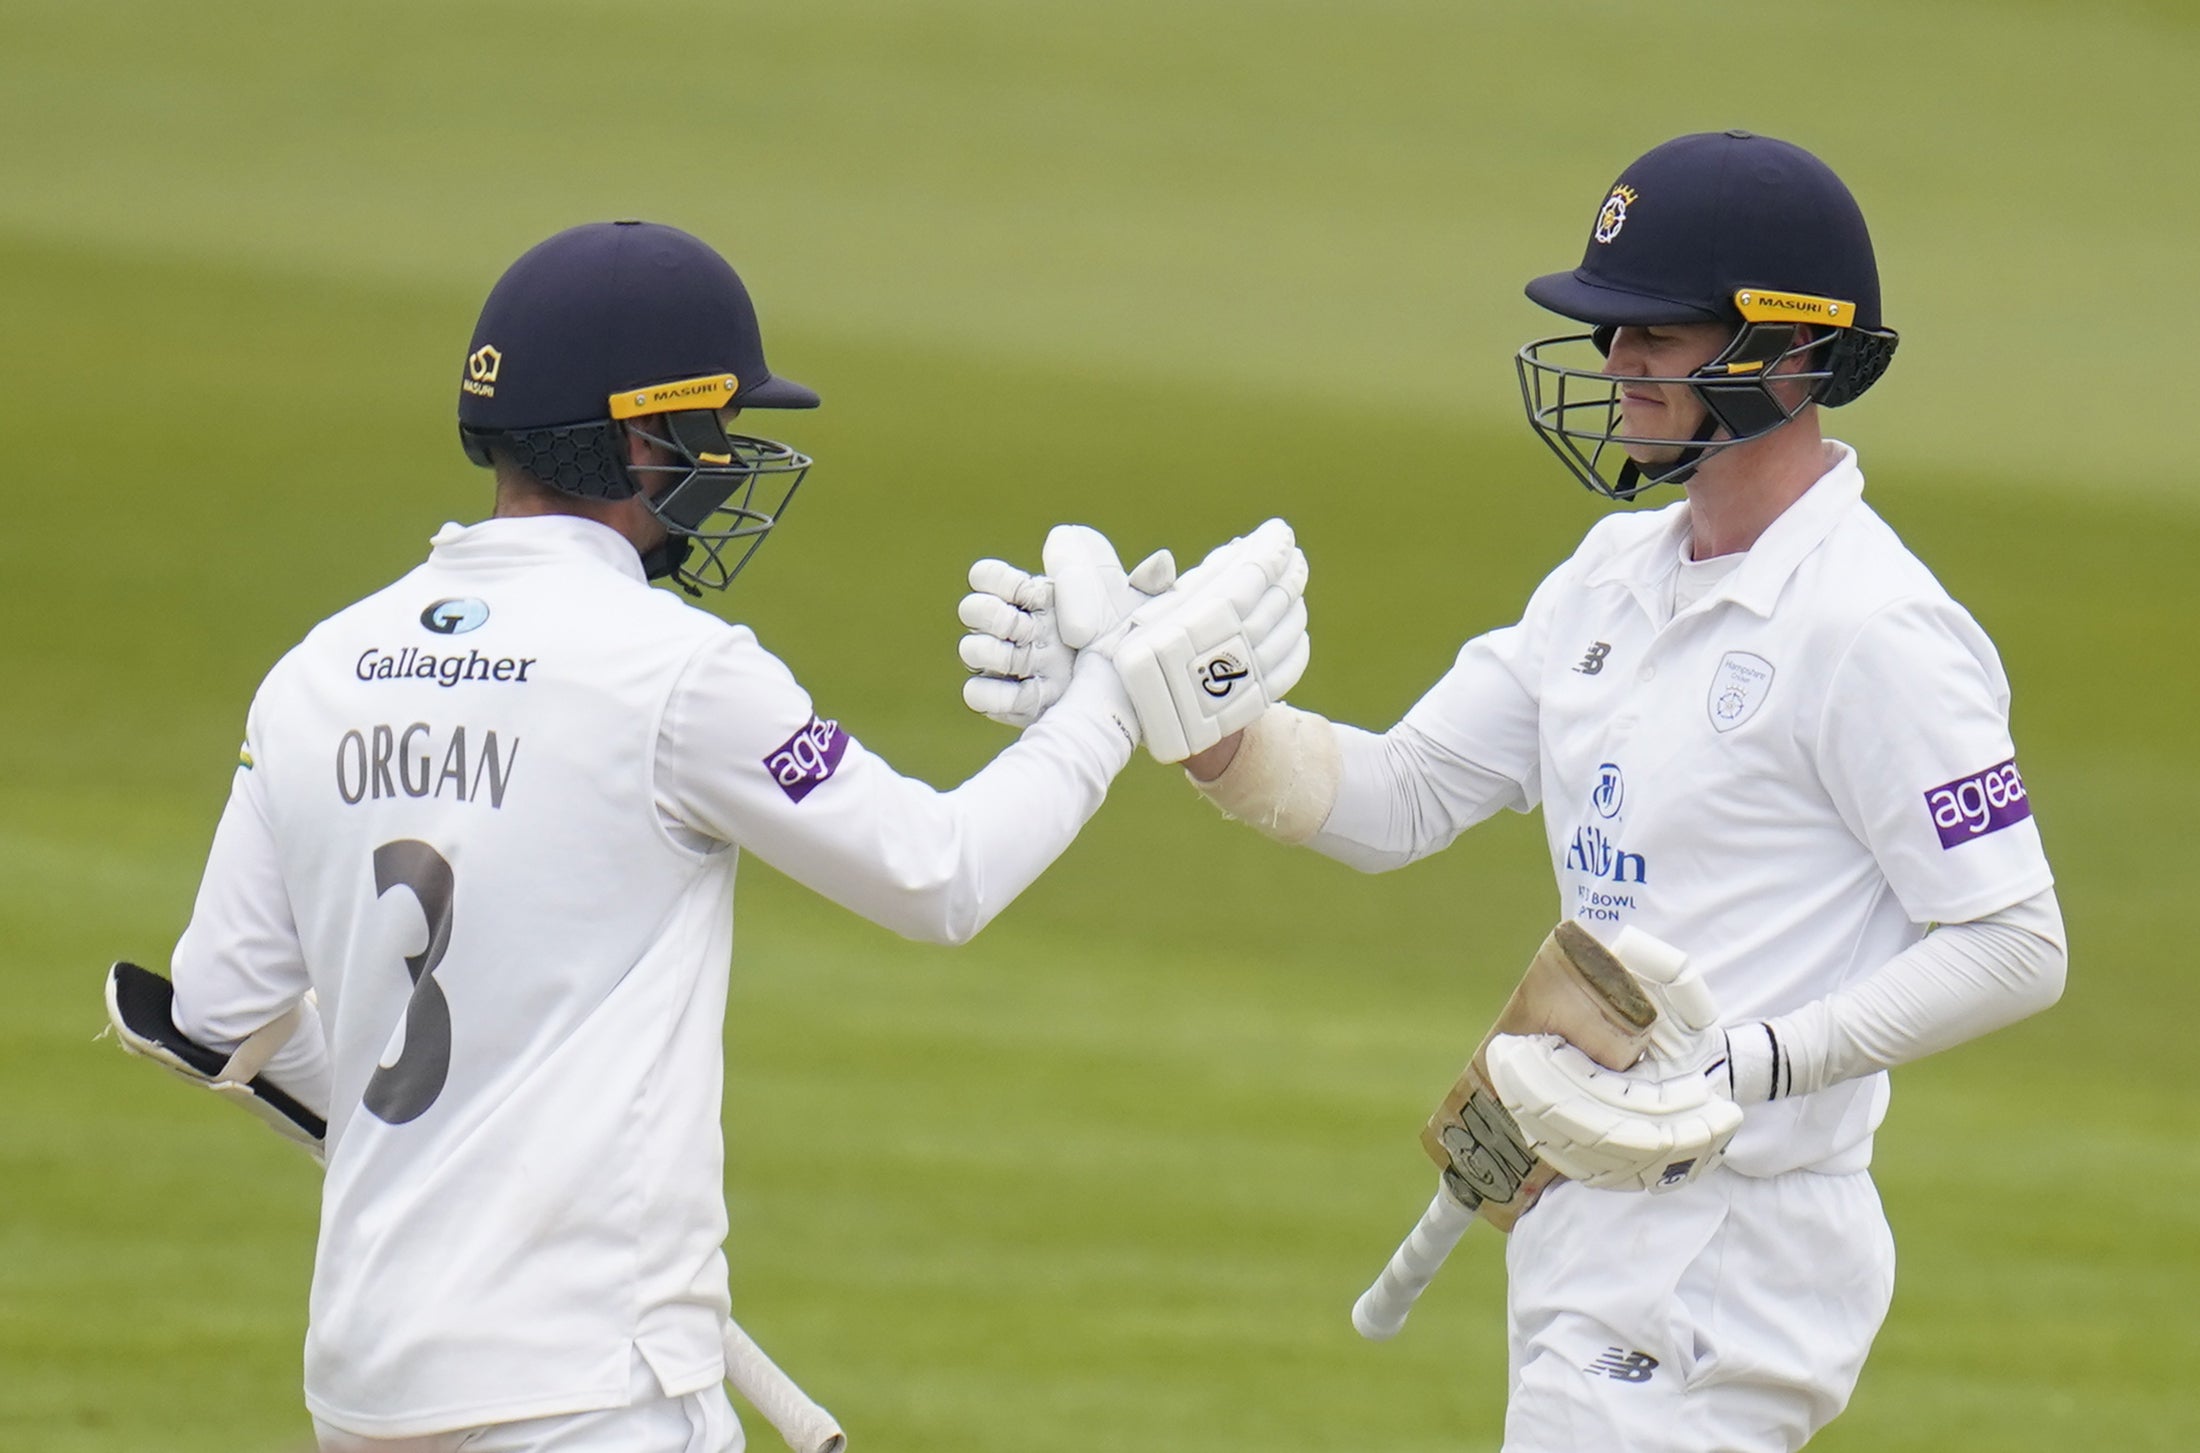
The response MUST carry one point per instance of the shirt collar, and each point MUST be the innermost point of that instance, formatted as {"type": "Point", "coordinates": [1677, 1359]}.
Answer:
{"type": "Point", "coordinates": [536, 540]}
{"type": "Point", "coordinates": [1756, 584]}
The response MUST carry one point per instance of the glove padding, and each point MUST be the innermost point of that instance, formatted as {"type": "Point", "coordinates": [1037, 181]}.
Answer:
{"type": "Point", "coordinates": [1627, 1130]}
{"type": "Point", "coordinates": [1092, 592]}
{"type": "Point", "coordinates": [1654, 1127]}
{"type": "Point", "coordinates": [1686, 1033]}
{"type": "Point", "coordinates": [1025, 630]}
{"type": "Point", "coordinates": [1207, 659]}
{"type": "Point", "coordinates": [138, 1009]}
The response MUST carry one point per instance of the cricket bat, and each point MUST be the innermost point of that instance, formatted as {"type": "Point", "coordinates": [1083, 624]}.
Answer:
{"type": "Point", "coordinates": [806, 1427]}
{"type": "Point", "coordinates": [1575, 988]}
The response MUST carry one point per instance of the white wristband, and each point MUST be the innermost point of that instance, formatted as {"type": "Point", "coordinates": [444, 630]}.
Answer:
{"type": "Point", "coordinates": [1757, 1068]}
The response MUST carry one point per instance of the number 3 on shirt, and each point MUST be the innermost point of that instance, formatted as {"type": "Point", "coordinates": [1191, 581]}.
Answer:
{"type": "Point", "coordinates": [404, 1090]}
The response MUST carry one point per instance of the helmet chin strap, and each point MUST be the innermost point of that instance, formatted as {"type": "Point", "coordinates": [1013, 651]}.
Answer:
{"type": "Point", "coordinates": [666, 557]}
{"type": "Point", "coordinates": [1633, 481]}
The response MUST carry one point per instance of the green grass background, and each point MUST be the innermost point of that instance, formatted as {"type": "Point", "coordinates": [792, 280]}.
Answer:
{"type": "Point", "coordinates": [1110, 1177]}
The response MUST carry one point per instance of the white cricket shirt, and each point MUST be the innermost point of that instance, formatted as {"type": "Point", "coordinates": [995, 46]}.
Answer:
{"type": "Point", "coordinates": [1788, 778]}
{"type": "Point", "coordinates": [487, 814]}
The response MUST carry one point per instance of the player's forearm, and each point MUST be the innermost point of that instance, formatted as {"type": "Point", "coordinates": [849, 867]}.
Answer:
{"type": "Point", "coordinates": [1960, 981]}
{"type": "Point", "coordinates": [1011, 820]}
{"type": "Point", "coordinates": [1373, 802]}
{"type": "Point", "coordinates": [1386, 800]}
{"type": "Point", "coordinates": [839, 820]}
{"type": "Point", "coordinates": [938, 866]}
{"type": "Point", "coordinates": [1400, 797]}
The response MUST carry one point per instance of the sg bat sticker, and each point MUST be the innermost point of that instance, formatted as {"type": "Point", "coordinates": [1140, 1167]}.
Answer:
{"type": "Point", "coordinates": [1575, 988]}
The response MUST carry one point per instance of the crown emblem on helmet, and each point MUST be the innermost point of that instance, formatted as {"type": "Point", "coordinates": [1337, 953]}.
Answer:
{"type": "Point", "coordinates": [1613, 215]}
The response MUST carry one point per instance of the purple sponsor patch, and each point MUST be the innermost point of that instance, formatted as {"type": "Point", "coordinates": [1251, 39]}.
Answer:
{"type": "Point", "coordinates": [1971, 807]}
{"type": "Point", "coordinates": [807, 759]}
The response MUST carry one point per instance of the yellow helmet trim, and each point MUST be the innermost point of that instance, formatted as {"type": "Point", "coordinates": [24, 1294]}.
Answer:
{"type": "Point", "coordinates": [711, 391]}
{"type": "Point", "coordinates": [1758, 306]}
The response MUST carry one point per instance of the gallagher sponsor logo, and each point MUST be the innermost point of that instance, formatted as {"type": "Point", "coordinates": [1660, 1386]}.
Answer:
{"type": "Point", "coordinates": [1971, 807]}
{"type": "Point", "coordinates": [808, 759]}
{"type": "Point", "coordinates": [455, 615]}
{"type": "Point", "coordinates": [414, 664]}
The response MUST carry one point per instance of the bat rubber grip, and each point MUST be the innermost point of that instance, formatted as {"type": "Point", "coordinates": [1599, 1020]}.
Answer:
{"type": "Point", "coordinates": [806, 1427]}
{"type": "Point", "coordinates": [1381, 1310]}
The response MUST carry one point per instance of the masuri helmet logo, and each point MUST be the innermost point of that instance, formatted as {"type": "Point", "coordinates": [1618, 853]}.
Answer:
{"type": "Point", "coordinates": [481, 370]}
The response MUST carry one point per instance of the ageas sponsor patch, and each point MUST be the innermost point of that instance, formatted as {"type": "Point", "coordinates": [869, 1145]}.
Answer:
{"type": "Point", "coordinates": [1971, 807]}
{"type": "Point", "coordinates": [807, 760]}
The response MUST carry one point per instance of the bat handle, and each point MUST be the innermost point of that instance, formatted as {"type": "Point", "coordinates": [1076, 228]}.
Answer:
{"type": "Point", "coordinates": [1381, 1310]}
{"type": "Point", "coordinates": [806, 1427]}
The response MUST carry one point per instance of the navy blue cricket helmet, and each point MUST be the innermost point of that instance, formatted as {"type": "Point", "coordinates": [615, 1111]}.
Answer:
{"type": "Point", "coordinates": [615, 329]}
{"type": "Point", "coordinates": [1719, 227]}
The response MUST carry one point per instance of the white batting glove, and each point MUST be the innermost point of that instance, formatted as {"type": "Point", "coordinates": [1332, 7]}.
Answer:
{"type": "Point", "coordinates": [1654, 1127]}
{"type": "Point", "coordinates": [1686, 1034]}
{"type": "Point", "coordinates": [1211, 656]}
{"type": "Point", "coordinates": [1020, 666]}
{"type": "Point", "coordinates": [1644, 1129]}
{"type": "Point", "coordinates": [1093, 594]}
{"type": "Point", "coordinates": [1025, 630]}
{"type": "Point", "coordinates": [1743, 1062]}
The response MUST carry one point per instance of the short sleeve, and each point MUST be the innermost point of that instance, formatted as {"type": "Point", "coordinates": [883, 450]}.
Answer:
{"type": "Point", "coordinates": [1914, 748]}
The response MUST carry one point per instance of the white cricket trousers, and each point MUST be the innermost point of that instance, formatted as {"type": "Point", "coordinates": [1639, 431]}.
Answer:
{"type": "Point", "coordinates": [1729, 1316]}
{"type": "Point", "coordinates": [700, 1422]}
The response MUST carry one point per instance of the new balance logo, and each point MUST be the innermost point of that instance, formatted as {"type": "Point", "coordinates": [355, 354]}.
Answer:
{"type": "Point", "coordinates": [1623, 1366]}
{"type": "Point", "coordinates": [1592, 660]}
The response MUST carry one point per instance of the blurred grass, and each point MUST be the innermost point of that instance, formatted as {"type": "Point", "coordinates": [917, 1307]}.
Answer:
{"type": "Point", "coordinates": [1238, 193]}
{"type": "Point", "coordinates": [1110, 1177]}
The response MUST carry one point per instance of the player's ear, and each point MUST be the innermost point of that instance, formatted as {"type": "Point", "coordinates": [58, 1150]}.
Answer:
{"type": "Point", "coordinates": [1810, 350]}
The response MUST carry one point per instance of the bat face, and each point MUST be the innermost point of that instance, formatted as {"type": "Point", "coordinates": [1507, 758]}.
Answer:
{"type": "Point", "coordinates": [1573, 988]}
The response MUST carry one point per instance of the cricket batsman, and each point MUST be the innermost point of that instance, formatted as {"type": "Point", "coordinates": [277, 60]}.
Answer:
{"type": "Point", "coordinates": [1768, 747]}
{"type": "Point", "coordinates": [464, 928]}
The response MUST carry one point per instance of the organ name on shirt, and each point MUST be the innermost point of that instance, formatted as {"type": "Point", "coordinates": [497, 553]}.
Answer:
{"type": "Point", "coordinates": [423, 761]}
